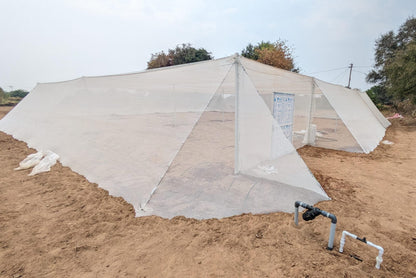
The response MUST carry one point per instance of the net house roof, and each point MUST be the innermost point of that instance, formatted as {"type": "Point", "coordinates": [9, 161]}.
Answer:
{"type": "Point", "coordinates": [198, 140]}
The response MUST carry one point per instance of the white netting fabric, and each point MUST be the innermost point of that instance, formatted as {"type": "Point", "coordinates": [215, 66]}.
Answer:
{"type": "Point", "coordinates": [268, 80]}
{"type": "Point", "coordinates": [383, 121]}
{"type": "Point", "coordinates": [169, 140]}
{"type": "Point", "coordinates": [360, 120]}
{"type": "Point", "coordinates": [121, 132]}
{"type": "Point", "coordinates": [256, 156]}
{"type": "Point", "coordinates": [201, 180]}
{"type": "Point", "coordinates": [329, 130]}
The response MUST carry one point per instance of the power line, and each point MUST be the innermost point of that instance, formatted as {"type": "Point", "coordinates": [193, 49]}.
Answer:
{"type": "Point", "coordinates": [359, 72]}
{"type": "Point", "coordinates": [327, 70]}
{"type": "Point", "coordinates": [362, 66]}
{"type": "Point", "coordinates": [339, 75]}
{"type": "Point", "coordinates": [338, 69]}
{"type": "Point", "coordinates": [350, 68]}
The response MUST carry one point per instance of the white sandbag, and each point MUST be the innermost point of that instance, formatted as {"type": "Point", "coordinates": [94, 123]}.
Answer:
{"type": "Point", "coordinates": [30, 161]}
{"type": "Point", "coordinates": [45, 164]}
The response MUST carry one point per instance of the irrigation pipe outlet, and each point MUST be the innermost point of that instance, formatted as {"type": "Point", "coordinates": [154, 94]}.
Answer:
{"type": "Point", "coordinates": [313, 212]}
{"type": "Point", "coordinates": [379, 258]}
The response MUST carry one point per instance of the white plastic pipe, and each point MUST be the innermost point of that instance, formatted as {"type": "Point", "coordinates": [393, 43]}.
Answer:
{"type": "Point", "coordinates": [379, 258]}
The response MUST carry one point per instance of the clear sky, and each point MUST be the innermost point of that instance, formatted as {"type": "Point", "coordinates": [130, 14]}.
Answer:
{"type": "Point", "coordinates": [55, 40]}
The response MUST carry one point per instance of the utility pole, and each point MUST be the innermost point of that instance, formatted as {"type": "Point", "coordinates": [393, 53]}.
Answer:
{"type": "Point", "coordinates": [349, 79]}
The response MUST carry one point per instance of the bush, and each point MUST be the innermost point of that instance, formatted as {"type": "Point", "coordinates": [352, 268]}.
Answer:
{"type": "Point", "coordinates": [276, 54]}
{"type": "Point", "coordinates": [11, 98]}
{"type": "Point", "coordinates": [18, 93]}
{"type": "Point", "coordinates": [182, 54]}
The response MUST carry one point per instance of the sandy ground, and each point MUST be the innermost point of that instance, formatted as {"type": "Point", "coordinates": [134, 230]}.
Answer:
{"type": "Point", "coordinates": [57, 224]}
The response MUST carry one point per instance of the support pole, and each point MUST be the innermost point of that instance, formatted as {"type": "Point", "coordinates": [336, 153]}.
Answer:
{"type": "Point", "coordinates": [349, 79]}
{"type": "Point", "coordinates": [236, 120]}
{"type": "Point", "coordinates": [306, 139]}
{"type": "Point", "coordinates": [296, 215]}
{"type": "Point", "coordinates": [318, 211]}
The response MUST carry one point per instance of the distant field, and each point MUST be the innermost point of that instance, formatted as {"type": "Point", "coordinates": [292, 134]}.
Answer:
{"type": "Point", "coordinates": [10, 101]}
{"type": "Point", "coordinates": [4, 110]}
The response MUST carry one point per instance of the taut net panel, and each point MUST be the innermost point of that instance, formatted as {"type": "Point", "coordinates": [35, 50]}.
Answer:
{"type": "Point", "coordinates": [380, 117]}
{"type": "Point", "coordinates": [362, 123]}
{"type": "Point", "coordinates": [325, 115]}
{"type": "Point", "coordinates": [264, 151]}
{"type": "Point", "coordinates": [269, 80]}
{"type": "Point", "coordinates": [201, 181]}
{"type": "Point", "coordinates": [327, 129]}
{"type": "Point", "coordinates": [121, 131]}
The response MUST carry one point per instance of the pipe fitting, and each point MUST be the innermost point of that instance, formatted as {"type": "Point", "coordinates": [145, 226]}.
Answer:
{"type": "Point", "coordinates": [379, 258]}
{"type": "Point", "coordinates": [314, 212]}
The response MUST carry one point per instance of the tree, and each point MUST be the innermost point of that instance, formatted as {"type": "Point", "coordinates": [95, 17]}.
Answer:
{"type": "Point", "coordinates": [159, 60]}
{"type": "Point", "coordinates": [379, 96]}
{"type": "Point", "coordinates": [2, 95]}
{"type": "Point", "coordinates": [276, 54]}
{"type": "Point", "coordinates": [401, 74]}
{"type": "Point", "coordinates": [182, 54]}
{"type": "Point", "coordinates": [394, 70]}
{"type": "Point", "coordinates": [18, 93]}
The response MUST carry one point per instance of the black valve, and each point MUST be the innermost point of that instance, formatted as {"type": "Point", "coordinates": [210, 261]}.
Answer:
{"type": "Point", "coordinates": [310, 214]}
{"type": "Point", "coordinates": [362, 239]}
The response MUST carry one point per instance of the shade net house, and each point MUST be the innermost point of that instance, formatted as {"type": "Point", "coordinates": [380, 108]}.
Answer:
{"type": "Point", "coordinates": [209, 139]}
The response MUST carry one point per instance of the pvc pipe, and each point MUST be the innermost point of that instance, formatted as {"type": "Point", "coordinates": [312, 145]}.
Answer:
{"type": "Point", "coordinates": [379, 258]}
{"type": "Point", "coordinates": [322, 212]}
{"type": "Point", "coordinates": [296, 215]}
{"type": "Point", "coordinates": [331, 236]}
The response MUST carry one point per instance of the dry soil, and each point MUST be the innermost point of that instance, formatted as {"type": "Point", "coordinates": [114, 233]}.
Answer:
{"type": "Point", "coordinates": [57, 224]}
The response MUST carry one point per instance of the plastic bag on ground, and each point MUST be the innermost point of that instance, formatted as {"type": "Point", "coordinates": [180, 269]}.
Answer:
{"type": "Point", "coordinates": [45, 164]}
{"type": "Point", "coordinates": [30, 161]}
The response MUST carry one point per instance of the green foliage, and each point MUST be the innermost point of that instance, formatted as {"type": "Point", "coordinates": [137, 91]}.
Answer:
{"type": "Point", "coordinates": [182, 54]}
{"type": "Point", "coordinates": [401, 74]}
{"type": "Point", "coordinates": [18, 93]}
{"type": "Point", "coordinates": [250, 52]}
{"type": "Point", "coordinates": [394, 72]}
{"type": "Point", "coordinates": [11, 98]}
{"type": "Point", "coordinates": [379, 96]}
{"type": "Point", "coordinates": [2, 96]}
{"type": "Point", "coordinates": [276, 54]}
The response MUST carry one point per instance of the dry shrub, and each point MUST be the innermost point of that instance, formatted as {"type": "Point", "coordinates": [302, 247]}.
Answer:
{"type": "Point", "coordinates": [407, 108]}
